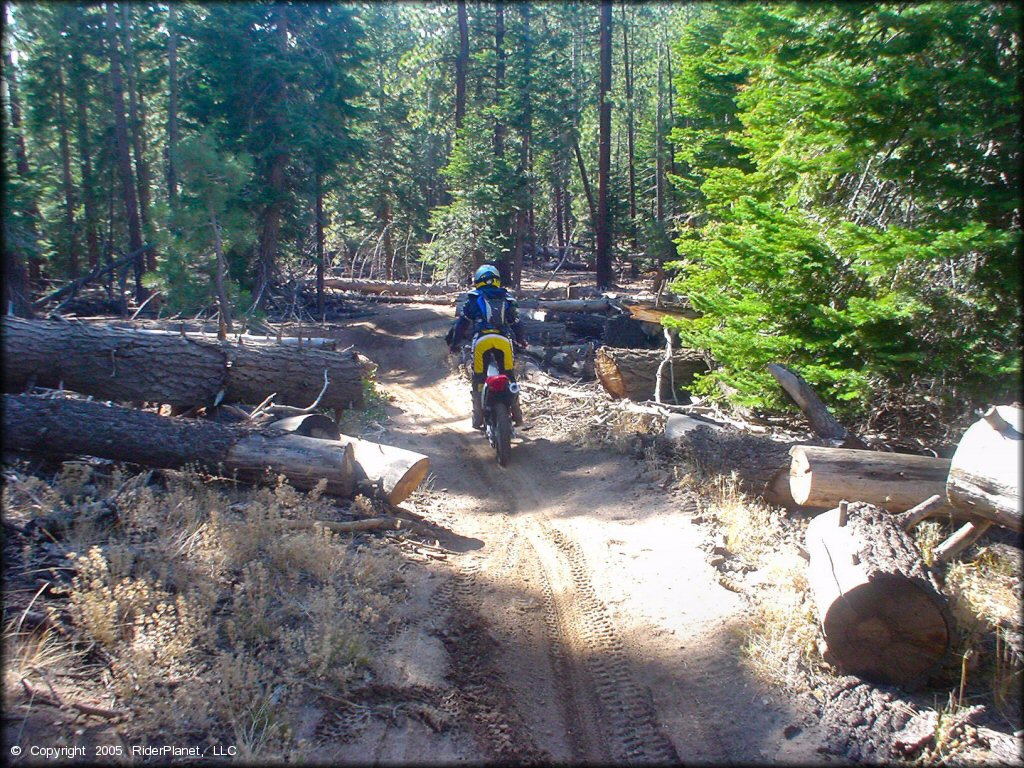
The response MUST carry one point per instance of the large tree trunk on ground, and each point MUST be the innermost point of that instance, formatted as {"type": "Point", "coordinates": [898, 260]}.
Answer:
{"type": "Point", "coordinates": [822, 477]}
{"type": "Point", "coordinates": [754, 460]}
{"type": "Point", "coordinates": [632, 372]}
{"type": "Point", "coordinates": [63, 427]}
{"type": "Point", "coordinates": [385, 286]}
{"type": "Point", "coordinates": [882, 615]}
{"type": "Point", "coordinates": [543, 331]}
{"type": "Point", "coordinates": [985, 472]}
{"type": "Point", "coordinates": [602, 304]}
{"type": "Point", "coordinates": [382, 470]}
{"type": "Point", "coordinates": [122, 365]}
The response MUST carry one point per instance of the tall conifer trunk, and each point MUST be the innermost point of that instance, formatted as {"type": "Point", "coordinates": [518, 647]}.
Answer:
{"type": "Point", "coordinates": [499, 75]}
{"type": "Point", "coordinates": [319, 181]}
{"type": "Point", "coordinates": [137, 115]}
{"type": "Point", "coordinates": [67, 182]}
{"type": "Point", "coordinates": [627, 72]}
{"type": "Point", "coordinates": [124, 162]}
{"type": "Point", "coordinates": [172, 105]}
{"type": "Point", "coordinates": [603, 225]}
{"type": "Point", "coordinates": [659, 147]}
{"type": "Point", "coordinates": [22, 166]}
{"type": "Point", "coordinates": [522, 213]}
{"type": "Point", "coordinates": [461, 63]}
{"type": "Point", "coordinates": [277, 163]}
{"type": "Point", "coordinates": [92, 243]}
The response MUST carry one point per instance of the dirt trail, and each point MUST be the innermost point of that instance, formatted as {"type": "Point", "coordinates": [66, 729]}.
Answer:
{"type": "Point", "coordinates": [579, 621]}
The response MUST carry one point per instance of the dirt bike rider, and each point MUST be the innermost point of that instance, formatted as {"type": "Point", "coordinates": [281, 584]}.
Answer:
{"type": "Point", "coordinates": [492, 315]}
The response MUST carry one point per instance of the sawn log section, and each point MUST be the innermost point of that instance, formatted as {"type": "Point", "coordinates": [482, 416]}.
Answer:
{"type": "Point", "coordinates": [632, 373]}
{"type": "Point", "coordinates": [381, 470]}
{"type": "Point", "coordinates": [64, 427]}
{"type": "Point", "coordinates": [882, 616]}
{"type": "Point", "coordinates": [822, 477]}
{"type": "Point", "coordinates": [130, 366]}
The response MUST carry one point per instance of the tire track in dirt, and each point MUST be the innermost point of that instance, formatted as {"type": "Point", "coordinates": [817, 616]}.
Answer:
{"type": "Point", "coordinates": [606, 715]}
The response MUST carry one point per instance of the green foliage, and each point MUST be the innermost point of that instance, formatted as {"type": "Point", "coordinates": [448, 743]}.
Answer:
{"type": "Point", "coordinates": [850, 222]}
{"type": "Point", "coordinates": [212, 185]}
{"type": "Point", "coordinates": [473, 227]}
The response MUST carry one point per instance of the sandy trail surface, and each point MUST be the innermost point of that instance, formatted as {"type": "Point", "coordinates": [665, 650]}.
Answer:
{"type": "Point", "coordinates": [577, 621]}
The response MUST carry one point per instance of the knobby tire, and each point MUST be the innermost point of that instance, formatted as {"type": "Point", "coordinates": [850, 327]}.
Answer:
{"type": "Point", "coordinates": [502, 433]}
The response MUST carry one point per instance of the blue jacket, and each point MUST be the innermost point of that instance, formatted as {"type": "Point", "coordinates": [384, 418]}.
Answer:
{"type": "Point", "coordinates": [487, 309]}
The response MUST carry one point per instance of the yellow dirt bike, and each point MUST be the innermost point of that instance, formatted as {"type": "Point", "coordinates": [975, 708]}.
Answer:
{"type": "Point", "coordinates": [490, 358]}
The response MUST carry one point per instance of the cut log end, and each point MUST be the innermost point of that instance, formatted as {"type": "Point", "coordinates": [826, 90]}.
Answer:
{"type": "Point", "coordinates": [409, 482]}
{"type": "Point", "coordinates": [889, 630]}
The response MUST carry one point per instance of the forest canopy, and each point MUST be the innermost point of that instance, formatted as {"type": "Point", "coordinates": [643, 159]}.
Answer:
{"type": "Point", "coordinates": [834, 186]}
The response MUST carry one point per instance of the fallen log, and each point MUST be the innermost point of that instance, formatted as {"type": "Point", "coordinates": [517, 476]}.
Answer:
{"type": "Point", "coordinates": [881, 612]}
{"type": "Point", "coordinates": [632, 373]}
{"type": "Point", "coordinates": [822, 477]}
{"type": "Point", "coordinates": [543, 331]}
{"type": "Point", "coordinates": [381, 470]}
{"type": "Point", "coordinates": [96, 273]}
{"type": "Point", "coordinates": [131, 366]}
{"type": "Point", "coordinates": [602, 304]}
{"type": "Point", "coordinates": [389, 287]}
{"type": "Point", "coordinates": [985, 472]}
{"type": "Point", "coordinates": [244, 338]}
{"type": "Point", "coordinates": [352, 526]}
{"type": "Point", "coordinates": [575, 359]}
{"type": "Point", "coordinates": [62, 427]}
{"type": "Point", "coordinates": [821, 420]}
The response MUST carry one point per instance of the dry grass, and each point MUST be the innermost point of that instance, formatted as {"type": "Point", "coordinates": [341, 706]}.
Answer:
{"type": "Point", "coordinates": [780, 643]}
{"type": "Point", "coordinates": [984, 600]}
{"type": "Point", "coordinates": [215, 621]}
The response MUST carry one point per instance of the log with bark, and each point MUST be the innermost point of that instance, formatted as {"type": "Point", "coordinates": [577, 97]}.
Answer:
{"type": "Point", "coordinates": [389, 287]}
{"type": "Point", "coordinates": [821, 420]}
{"type": "Point", "coordinates": [574, 359]}
{"type": "Point", "coordinates": [130, 366]}
{"type": "Point", "coordinates": [381, 470]}
{"type": "Point", "coordinates": [822, 477]}
{"type": "Point", "coordinates": [632, 373]}
{"type": "Point", "coordinates": [985, 471]}
{"type": "Point", "coordinates": [880, 609]}
{"type": "Point", "coordinates": [626, 333]}
{"type": "Point", "coordinates": [193, 330]}
{"type": "Point", "coordinates": [544, 332]}
{"type": "Point", "coordinates": [602, 304]}
{"type": "Point", "coordinates": [64, 427]}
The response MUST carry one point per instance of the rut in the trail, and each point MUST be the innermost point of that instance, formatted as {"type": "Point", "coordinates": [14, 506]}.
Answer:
{"type": "Point", "coordinates": [484, 701]}
{"type": "Point", "coordinates": [606, 715]}
{"type": "Point", "coordinates": [588, 658]}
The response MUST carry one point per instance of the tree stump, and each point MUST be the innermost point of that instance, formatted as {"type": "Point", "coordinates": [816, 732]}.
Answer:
{"type": "Point", "coordinates": [882, 615]}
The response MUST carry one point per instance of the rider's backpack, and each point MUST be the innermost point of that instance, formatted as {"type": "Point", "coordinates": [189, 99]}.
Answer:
{"type": "Point", "coordinates": [492, 311]}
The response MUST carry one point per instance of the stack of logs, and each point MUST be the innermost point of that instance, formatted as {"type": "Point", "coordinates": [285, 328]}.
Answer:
{"type": "Point", "coordinates": [192, 374]}
{"type": "Point", "coordinates": [882, 614]}
{"type": "Point", "coordinates": [585, 338]}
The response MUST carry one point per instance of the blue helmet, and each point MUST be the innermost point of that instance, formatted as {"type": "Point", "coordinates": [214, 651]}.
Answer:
{"type": "Point", "coordinates": [486, 275]}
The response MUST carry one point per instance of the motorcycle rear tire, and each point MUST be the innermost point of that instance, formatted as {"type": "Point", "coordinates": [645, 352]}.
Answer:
{"type": "Point", "coordinates": [502, 433]}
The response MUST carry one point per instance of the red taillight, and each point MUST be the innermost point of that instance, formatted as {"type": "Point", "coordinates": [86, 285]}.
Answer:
{"type": "Point", "coordinates": [497, 383]}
